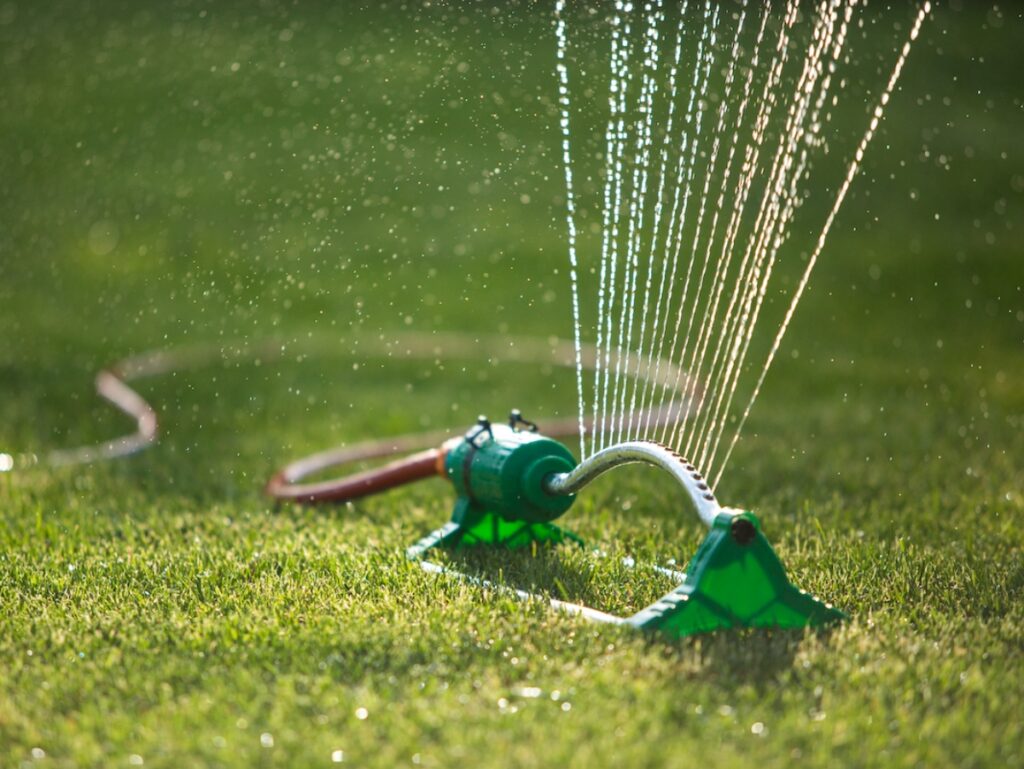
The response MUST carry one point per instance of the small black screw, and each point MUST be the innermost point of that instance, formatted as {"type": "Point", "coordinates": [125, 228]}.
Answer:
{"type": "Point", "coordinates": [743, 531]}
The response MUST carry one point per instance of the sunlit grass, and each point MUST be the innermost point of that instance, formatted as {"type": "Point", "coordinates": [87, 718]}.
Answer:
{"type": "Point", "coordinates": [160, 612]}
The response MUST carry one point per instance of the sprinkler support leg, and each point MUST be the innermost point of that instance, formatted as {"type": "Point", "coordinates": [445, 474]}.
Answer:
{"type": "Point", "coordinates": [734, 580]}
{"type": "Point", "coordinates": [474, 525]}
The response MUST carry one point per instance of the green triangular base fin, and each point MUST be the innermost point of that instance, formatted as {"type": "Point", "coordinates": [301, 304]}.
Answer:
{"type": "Point", "coordinates": [734, 580]}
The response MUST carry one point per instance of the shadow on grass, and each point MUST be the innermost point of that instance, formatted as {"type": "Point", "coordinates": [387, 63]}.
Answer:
{"type": "Point", "coordinates": [754, 657]}
{"type": "Point", "coordinates": [565, 572]}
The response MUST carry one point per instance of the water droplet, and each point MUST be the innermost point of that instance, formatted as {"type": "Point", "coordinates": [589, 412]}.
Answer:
{"type": "Point", "coordinates": [104, 236]}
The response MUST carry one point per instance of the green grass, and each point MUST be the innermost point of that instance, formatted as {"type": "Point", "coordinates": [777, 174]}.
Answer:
{"type": "Point", "coordinates": [387, 169]}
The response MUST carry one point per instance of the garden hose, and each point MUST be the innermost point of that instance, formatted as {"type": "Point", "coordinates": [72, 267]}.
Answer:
{"type": "Point", "coordinates": [511, 482]}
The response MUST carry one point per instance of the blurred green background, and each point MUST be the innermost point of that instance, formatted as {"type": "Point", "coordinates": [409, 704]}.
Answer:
{"type": "Point", "coordinates": [212, 172]}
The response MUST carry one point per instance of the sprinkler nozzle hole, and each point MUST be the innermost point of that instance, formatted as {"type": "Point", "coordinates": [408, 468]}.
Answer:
{"type": "Point", "coordinates": [743, 531]}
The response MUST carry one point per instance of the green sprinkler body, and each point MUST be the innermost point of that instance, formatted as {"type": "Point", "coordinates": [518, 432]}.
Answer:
{"type": "Point", "coordinates": [498, 471]}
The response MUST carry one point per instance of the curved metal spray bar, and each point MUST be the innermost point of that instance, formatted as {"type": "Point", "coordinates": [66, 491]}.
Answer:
{"type": "Point", "coordinates": [646, 452]}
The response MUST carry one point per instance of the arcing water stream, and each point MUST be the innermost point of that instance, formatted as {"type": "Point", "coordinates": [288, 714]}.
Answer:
{"type": "Point", "coordinates": [694, 230]}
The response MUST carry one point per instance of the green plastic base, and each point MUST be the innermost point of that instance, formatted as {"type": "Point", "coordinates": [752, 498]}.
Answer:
{"type": "Point", "coordinates": [734, 580]}
{"type": "Point", "coordinates": [472, 527]}
{"type": "Point", "coordinates": [482, 527]}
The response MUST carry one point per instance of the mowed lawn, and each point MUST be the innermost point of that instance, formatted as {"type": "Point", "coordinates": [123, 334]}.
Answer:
{"type": "Point", "coordinates": [184, 173]}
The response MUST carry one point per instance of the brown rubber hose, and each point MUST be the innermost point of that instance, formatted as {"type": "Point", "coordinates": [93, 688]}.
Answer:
{"type": "Point", "coordinates": [415, 467]}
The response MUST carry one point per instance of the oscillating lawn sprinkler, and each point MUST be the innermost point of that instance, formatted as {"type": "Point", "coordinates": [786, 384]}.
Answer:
{"type": "Point", "coordinates": [511, 482]}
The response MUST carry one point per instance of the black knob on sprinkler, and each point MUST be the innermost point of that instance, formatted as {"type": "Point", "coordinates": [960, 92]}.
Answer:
{"type": "Point", "coordinates": [743, 531]}
{"type": "Point", "coordinates": [483, 425]}
{"type": "Point", "coordinates": [515, 418]}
